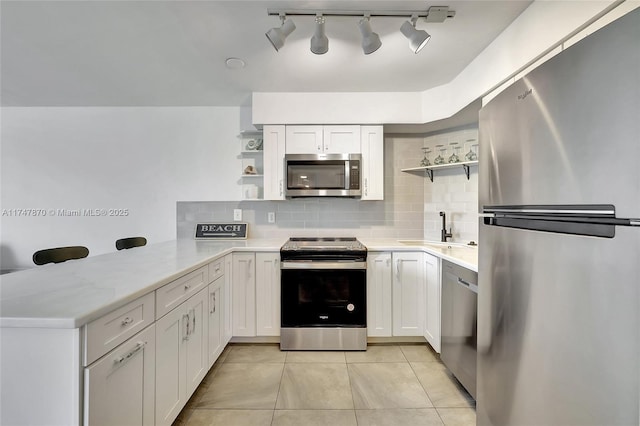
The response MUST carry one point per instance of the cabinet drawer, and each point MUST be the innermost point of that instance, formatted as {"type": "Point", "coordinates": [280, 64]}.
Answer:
{"type": "Point", "coordinates": [176, 292]}
{"type": "Point", "coordinates": [107, 332]}
{"type": "Point", "coordinates": [216, 269]}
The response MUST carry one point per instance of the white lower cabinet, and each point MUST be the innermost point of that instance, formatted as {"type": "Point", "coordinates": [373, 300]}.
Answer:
{"type": "Point", "coordinates": [244, 295]}
{"type": "Point", "coordinates": [181, 356]}
{"type": "Point", "coordinates": [215, 320]}
{"type": "Point", "coordinates": [379, 283]}
{"type": "Point", "coordinates": [433, 285]}
{"type": "Point", "coordinates": [396, 303]}
{"type": "Point", "coordinates": [408, 294]}
{"type": "Point", "coordinates": [120, 387]}
{"type": "Point", "coordinates": [268, 294]}
{"type": "Point", "coordinates": [227, 311]}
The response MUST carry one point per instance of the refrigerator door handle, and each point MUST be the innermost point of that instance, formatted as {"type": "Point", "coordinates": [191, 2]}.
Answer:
{"type": "Point", "coordinates": [596, 220]}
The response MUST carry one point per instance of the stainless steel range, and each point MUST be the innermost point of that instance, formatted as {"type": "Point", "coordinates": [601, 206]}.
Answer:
{"type": "Point", "coordinates": [323, 294]}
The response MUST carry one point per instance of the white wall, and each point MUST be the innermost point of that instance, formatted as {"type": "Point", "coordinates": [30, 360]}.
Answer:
{"type": "Point", "coordinates": [140, 159]}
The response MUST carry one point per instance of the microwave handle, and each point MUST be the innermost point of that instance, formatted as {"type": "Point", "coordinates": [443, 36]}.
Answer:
{"type": "Point", "coordinates": [347, 174]}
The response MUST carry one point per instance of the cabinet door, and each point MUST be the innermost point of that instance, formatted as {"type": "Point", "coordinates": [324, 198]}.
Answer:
{"type": "Point", "coordinates": [196, 348]}
{"type": "Point", "coordinates": [341, 139]}
{"type": "Point", "coordinates": [304, 140]}
{"type": "Point", "coordinates": [171, 392]}
{"type": "Point", "coordinates": [432, 315]}
{"type": "Point", "coordinates": [273, 151]}
{"type": "Point", "coordinates": [119, 388]}
{"type": "Point", "coordinates": [227, 311]}
{"type": "Point", "coordinates": [268, 293]}
{"type": "Point", "coordinates": [215, 322]}
{"type": "Point", "coordinates": [243, 294]}
{"type": "Point", "coordinates": [379, 282]}
{"type": "Point", "coordinates": [372, 144]}
{"type": "Point", "coordinates": [408, 294]}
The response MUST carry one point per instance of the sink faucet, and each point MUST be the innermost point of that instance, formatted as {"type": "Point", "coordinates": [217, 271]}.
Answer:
{"type": "Point", "coordinates": [443, 233]}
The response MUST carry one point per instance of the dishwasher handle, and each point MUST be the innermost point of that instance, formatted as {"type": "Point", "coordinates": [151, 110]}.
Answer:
{"type": "Point", "coordinates": [472, 287]}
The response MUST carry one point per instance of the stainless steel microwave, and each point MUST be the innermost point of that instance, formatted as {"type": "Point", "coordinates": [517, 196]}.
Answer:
{"type": "Point", "coordinates": [323, 175]}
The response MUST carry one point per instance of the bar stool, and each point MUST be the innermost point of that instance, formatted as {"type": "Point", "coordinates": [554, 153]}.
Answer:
{"type": "Point", "coordinates": [127, 243]}
{"type": "Point", "coordinates": [59, 254]}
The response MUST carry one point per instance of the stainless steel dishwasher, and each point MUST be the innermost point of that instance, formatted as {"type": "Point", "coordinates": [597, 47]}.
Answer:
{"type": "Point", "coordinates": [459, 323]}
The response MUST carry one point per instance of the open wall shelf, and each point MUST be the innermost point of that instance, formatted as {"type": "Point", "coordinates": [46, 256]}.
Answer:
{"type": "Point", "coordinates": [428, 170]}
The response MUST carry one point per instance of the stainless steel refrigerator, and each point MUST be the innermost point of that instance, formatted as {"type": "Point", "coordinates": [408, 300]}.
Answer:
{"type": "Point", "coordinates": [559, 255]}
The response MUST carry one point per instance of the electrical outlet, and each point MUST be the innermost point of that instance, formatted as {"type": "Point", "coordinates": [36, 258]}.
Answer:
{"type": "Point", "coordinates": [271, 217]}
{"type": "Point", "coordinates": [237, 214]}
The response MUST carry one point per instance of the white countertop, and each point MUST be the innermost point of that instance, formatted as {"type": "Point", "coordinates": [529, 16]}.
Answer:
{"type": "Point", "coordinates": [73, 293]}
{"type": "Point", "coordinates": [461, 254]}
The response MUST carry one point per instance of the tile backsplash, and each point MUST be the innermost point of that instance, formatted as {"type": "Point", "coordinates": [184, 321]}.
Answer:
{"type": "Point", "coordinates": [409, 210]}
{"type": "Point", "coordinates": [450, 190]}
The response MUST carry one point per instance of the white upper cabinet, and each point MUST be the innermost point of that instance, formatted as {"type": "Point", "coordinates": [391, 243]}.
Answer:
{"type": "Point", "coordinates": [304, 140]}
{"type": "Point", "coordinates": [372, 145]}
{"type": "Point", "coordinates": [341, 139]}
{"type": "Point", "coordinates": [273, 149]}
{"type": "Point", "coordinates": [323, 139]}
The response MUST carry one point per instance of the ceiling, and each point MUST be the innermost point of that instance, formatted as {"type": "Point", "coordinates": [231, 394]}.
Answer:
{"type": "Point", "coordinates": [172, 53]}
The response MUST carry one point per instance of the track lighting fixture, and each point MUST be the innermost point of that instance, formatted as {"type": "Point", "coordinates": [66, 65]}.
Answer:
{"type": "Point", "coordinates": [417, 38]}
{"type": "Point", "coordinates": [277, 36]}
{"type": "Point", "coordinates": [319, 41]}
{"type": "Point", "coordinates": [370, 40]}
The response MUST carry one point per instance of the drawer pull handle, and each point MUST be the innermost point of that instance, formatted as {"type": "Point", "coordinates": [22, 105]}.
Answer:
{"type": "Point", "coordinates": [127, 321]}
{"type": "Point", "coordinates": [127, 356]}
{"type": "Point", "coordinates": [187, 287]}
{"type": "Point", "coordinates": [193, 329]}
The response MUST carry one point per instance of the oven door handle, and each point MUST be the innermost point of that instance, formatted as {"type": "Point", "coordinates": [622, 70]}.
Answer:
{"type": "Point", "coordinates": [323, 265]}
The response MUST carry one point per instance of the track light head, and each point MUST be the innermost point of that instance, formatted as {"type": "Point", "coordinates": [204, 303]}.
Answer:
{"type": "Point", "coordinates": [277, 36]}
{"type": "Point", "coordinates": [370, 40]}
{"type": "Point", "coordinates": [417, 38]}
{"type": "Point", "coordinates": [319, 41]}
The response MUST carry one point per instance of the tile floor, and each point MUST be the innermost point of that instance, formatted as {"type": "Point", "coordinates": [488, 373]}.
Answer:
{"type": "Point", "coordinates": [395, 385]}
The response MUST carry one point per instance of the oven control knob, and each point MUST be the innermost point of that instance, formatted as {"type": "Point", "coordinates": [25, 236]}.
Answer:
{"type": "Point", "coordinates": [350, 307]}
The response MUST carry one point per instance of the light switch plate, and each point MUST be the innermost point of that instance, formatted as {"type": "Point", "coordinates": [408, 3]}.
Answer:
{"type": "Point", "coordinates": [271, 217]}
{"type": "Point", "coordinates": [237, 214]}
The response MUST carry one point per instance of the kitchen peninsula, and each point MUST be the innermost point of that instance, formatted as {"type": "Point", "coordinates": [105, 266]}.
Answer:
{"type": "Point", "coordinates": [60, 321]}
